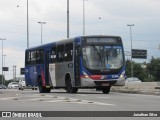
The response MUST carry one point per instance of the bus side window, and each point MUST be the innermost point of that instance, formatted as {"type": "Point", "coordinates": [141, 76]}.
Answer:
{"type": "Point", "coordinates": [68, 55]}
{"type": "Point", "coordinates": [60, 53]}
{"type": "Point", "coordinates": [53, 57]}
{"type": "Point", "coordinates": [28, 58]}
{"type": "Point", "coordinates": [39, 57]}
{"type": "Point", "coordinates": [33, 57]}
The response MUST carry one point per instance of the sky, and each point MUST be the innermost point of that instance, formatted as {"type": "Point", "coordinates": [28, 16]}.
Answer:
{"type": "Point", "coordinates": [102, 17]}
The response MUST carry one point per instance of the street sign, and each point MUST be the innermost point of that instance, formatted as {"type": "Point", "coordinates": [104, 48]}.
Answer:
{"type": "Point", "coordinates": [22, 71]}
{"type": "Point", "coordinates": [139, 53]}
{"type": "Point", "coordinates": [5, 68]}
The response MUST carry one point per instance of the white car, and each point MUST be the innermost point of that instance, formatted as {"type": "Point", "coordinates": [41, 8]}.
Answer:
{"type": "Point", "coordinates": [22, 84]}
{"type": "Point", "coordinates": [13, 85]}
{"type": "Point", "coordinates": [133, 79]}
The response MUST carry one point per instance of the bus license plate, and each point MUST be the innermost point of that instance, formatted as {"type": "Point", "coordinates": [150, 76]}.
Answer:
{"type": "Point", "coordinates": [105, 84]}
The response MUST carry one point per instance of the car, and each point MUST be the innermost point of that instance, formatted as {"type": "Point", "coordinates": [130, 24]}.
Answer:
{"type": "Point", "coordinates": [133, 79]}
{"type": "Point", "coordinates": [21, 84]}
{"type": "Point", "coordinates": [13, 85]}
{"type": "Point", "coordinates": [2, 86]}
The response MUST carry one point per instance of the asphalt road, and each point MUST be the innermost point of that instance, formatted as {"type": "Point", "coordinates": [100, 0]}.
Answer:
{"type": "Point", "coordinates": [84, 100]}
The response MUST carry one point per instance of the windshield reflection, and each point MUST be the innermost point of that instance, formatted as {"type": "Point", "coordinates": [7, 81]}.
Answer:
{"type": "Point", "coordinates": [102, 57]}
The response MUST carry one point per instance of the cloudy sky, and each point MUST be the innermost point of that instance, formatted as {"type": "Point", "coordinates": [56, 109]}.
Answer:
{"type": "Point", "coordinates": [114, 14]}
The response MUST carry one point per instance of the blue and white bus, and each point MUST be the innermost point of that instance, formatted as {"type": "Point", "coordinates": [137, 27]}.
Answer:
{"type": "Point", "coordinates": [75, 63]}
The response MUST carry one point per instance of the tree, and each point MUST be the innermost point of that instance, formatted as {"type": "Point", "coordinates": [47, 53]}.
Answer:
{"type": "Point", "coordinates": [154, 68]}
{"type": "Point", "coordinates": [1, 79]}
{"type": "Point", "coordinates": [138, 71]}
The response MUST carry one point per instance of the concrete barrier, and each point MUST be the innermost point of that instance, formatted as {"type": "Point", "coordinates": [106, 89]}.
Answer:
{"type": "Point", "coordinates": [151, 88]}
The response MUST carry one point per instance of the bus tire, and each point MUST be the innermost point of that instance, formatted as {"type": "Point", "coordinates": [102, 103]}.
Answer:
{"type": "Point", "coordinates": [40, 87]}
{"type": "Point", "coordinates": [106, 90]}
{"type": "Point", "coordinates": [48, 90]}
{"type": "Point", "coordinates": [69, 87]}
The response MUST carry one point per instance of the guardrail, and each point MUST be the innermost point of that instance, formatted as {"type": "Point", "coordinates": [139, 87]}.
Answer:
{"type": "Point", "coordinates": [152, 88]}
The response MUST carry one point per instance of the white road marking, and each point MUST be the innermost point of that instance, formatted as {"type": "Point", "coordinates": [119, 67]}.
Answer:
{"type": "Point", "coordinates": [103, 97]}
{"type": "Point", "coordinates": [79, 101]}
{"type": "Point", "coordinates": [82, 95]}
{"type": "Point", "coordinates": [8, 98]}
{"type": "Point", "coordinates": [58, 99]}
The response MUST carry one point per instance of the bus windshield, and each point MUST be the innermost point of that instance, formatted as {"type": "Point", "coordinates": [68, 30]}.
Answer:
{"type": "Point", "coordinates": [104, 57]}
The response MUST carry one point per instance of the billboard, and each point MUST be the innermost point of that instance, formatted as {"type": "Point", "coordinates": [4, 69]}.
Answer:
{"type": "Point", "coordinates": [139, 53]}
{"type": "Point", "coordinates": [5, 68]}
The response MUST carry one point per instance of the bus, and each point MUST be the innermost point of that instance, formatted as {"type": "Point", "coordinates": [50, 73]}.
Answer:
{"type": "Point", "coordinates": [93, 61]}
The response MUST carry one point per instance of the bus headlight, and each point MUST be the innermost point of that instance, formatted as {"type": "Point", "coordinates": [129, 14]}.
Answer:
{"type": "Point", "coordinates": [85, 75]}
{"type": "Point", "coordinates": [122, 76]}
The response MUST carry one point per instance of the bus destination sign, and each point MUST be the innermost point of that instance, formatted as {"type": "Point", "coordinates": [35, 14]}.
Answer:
{"type": "Point", "coordinates": [101, 40]}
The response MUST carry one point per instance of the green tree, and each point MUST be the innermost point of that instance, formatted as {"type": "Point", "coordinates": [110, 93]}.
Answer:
{"type": "Point", "coordinates": [154, 68]}
{"type": "Point", "coordinates": [128, 68]}
{"type": "Point", "coordinates": [1, 79]}
{"type": "Point", "coordinates": [138, 71]}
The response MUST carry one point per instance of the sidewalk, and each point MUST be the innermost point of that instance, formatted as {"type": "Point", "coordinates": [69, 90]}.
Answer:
{"type": "Point", "coordinates": [150, 88]}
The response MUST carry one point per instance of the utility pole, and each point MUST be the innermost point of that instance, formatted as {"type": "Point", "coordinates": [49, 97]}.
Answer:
{"type": "Point", "coordinates": [27, 27]}
{"type": "Point", "coordinates": [41, 30]}
{"type": "Point", "coordinates": [84, 30]}
{"type": "Point", "coordinates": [130, 26]}
{"type": "Point", "coordinates": [4, 66]}
{"type": "Point", "coordinates": [14, 72]}
{"type": "Point", "coordinates": [67, 18]}
{"type": "Point", "coordinates": [2, 57]}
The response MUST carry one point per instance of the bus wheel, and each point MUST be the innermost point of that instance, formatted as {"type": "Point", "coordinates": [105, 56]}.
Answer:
{"type": "Point", "coordinates": [106, 90]}
{"type": "Point", "coordinates": [47, 90]}
{"type": "Point", "coordinates": [40, 87]}
{"type": "Point", "coordinates": [69, 87]}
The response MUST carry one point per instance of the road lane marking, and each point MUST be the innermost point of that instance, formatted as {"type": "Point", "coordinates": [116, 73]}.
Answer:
{"type": "Point", "coordinates": [58, 99]}
{"type": "Point", "coordinates": [103, 97]}
{"type": "Point", "coordinates": [8, 98]}
{"type": "Point", "coordinates": [81, 95]}
{"type": "Point", "coordinates": [79, 101]}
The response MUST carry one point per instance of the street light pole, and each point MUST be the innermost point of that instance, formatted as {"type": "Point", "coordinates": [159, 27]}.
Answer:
{"type": "Point", "coordinates": [41, 29]}
{"type": "Point", "coordinates": [130, 26]}
{"type": "Point", "coordinates": [4, 66]}
{"type": "Point", "coordinates": [2, 57]}
{"type": "Point", "coordinates": [67, 18]}
{"type": "Point", "coordinates": [84, 30]}
{"type": "Point", "coordinates": [83, 17]}
{"type": "Point", "coordinates": [27, 27]}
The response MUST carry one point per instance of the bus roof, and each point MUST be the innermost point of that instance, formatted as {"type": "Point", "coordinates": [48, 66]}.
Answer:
{"type": "Point", "coordinates": [67, 40]}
